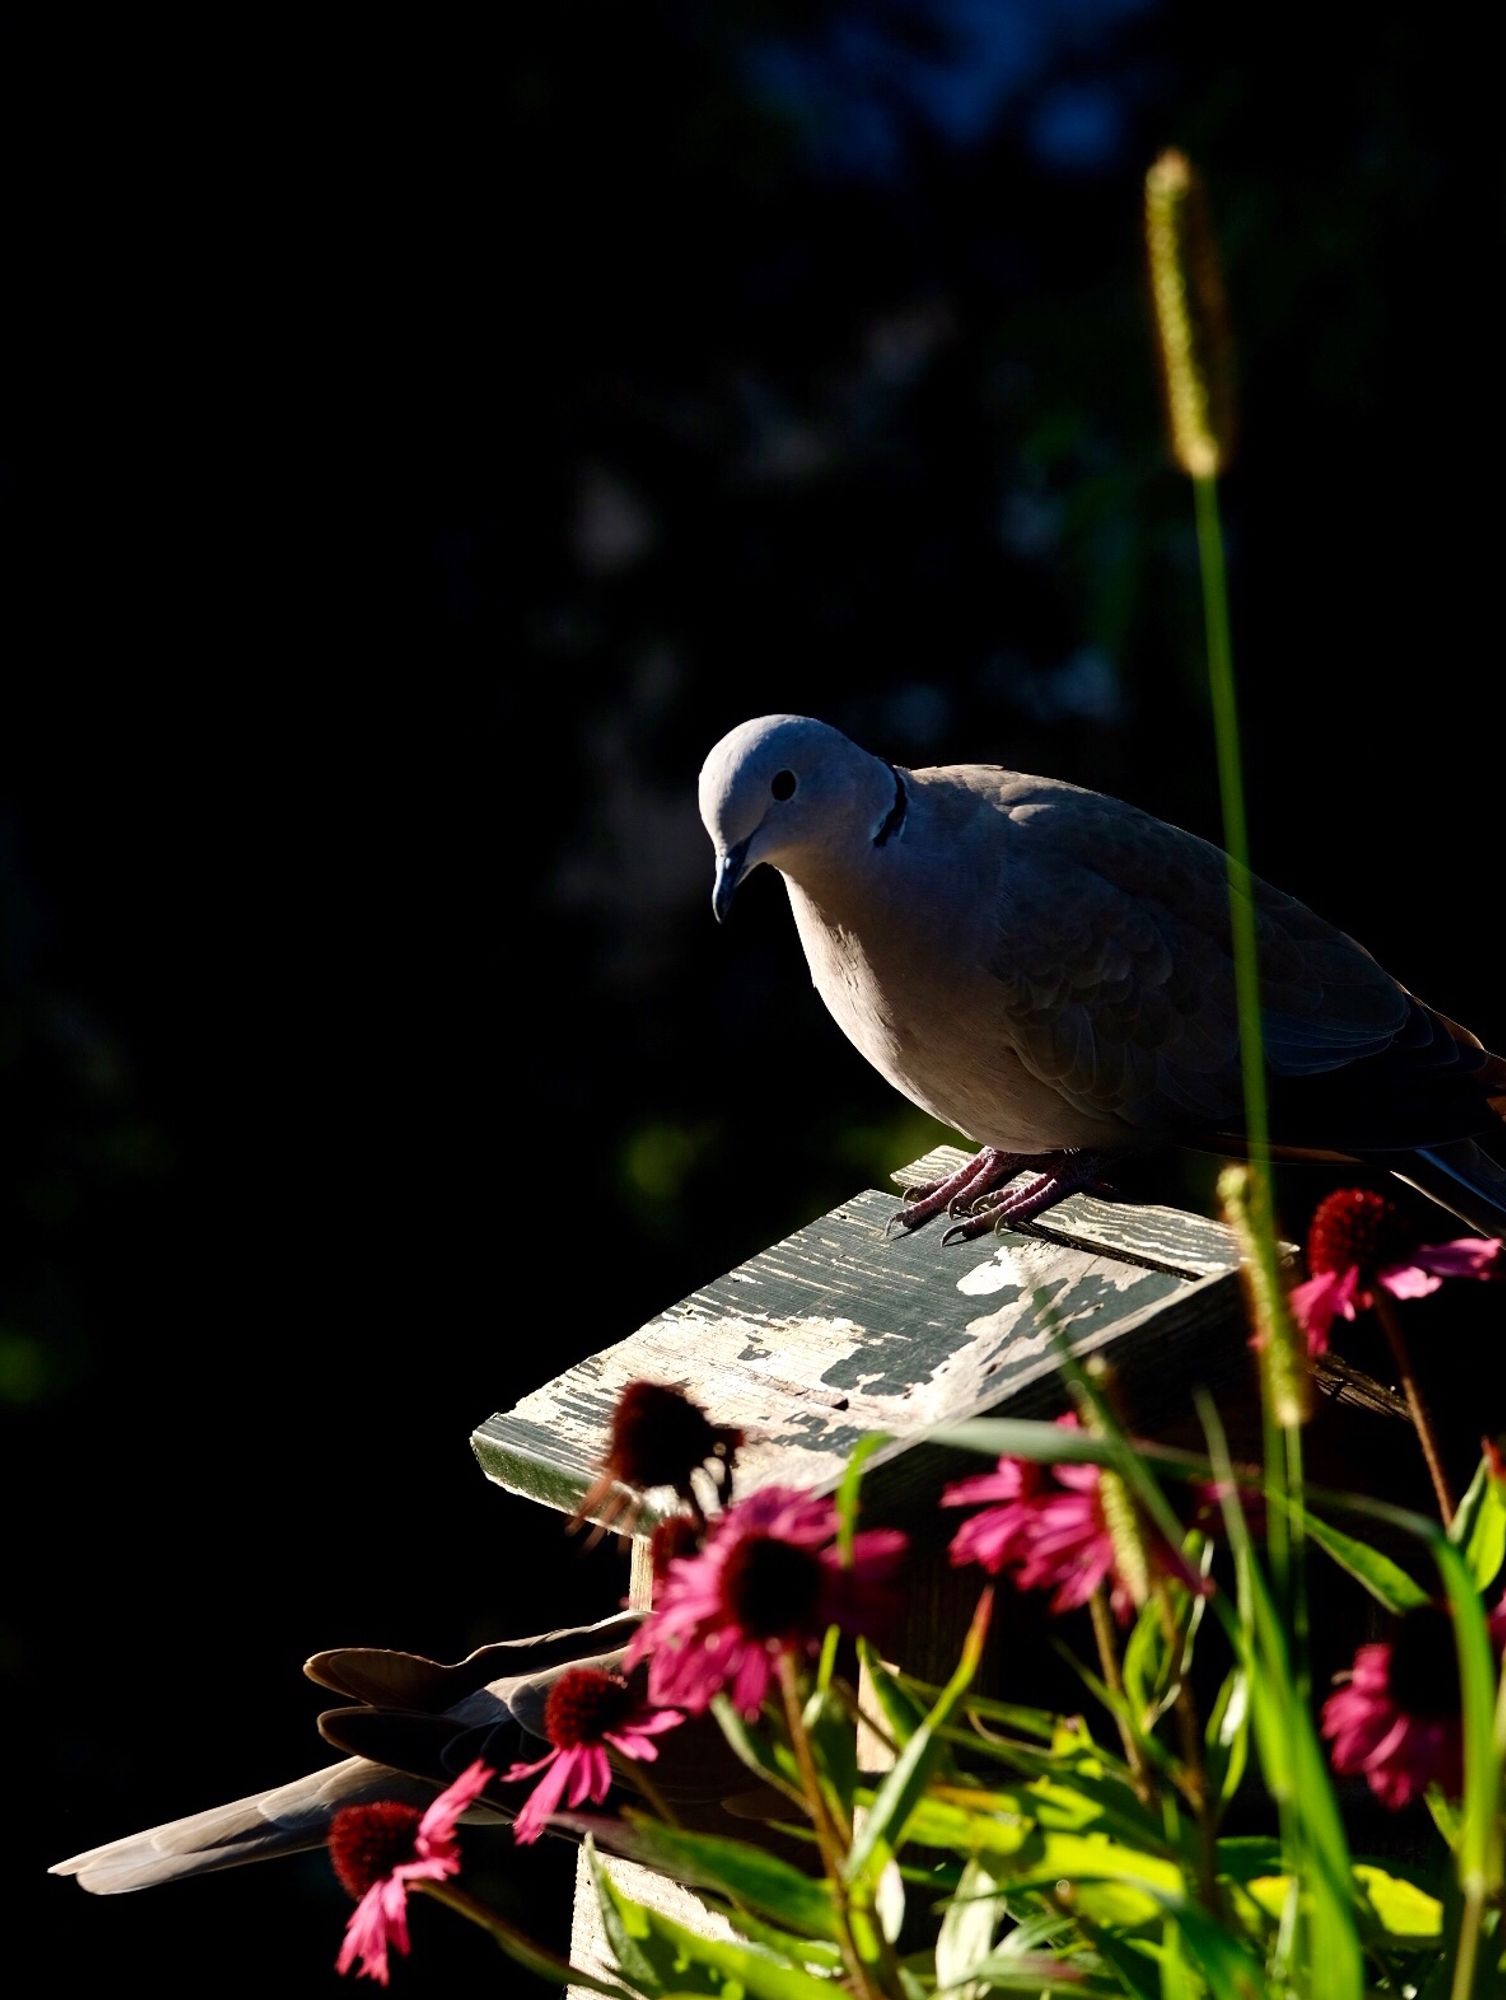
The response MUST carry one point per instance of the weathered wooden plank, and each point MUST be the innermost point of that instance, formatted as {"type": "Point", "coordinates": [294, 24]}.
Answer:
{"type": "Point", "coordinates": [844, 1328]}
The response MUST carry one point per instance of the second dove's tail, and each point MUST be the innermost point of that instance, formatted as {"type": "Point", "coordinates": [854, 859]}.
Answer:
{"type": "Point", "coordinates": [280, 1821]}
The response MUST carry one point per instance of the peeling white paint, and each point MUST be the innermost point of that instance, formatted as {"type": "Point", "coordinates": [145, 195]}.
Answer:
{"type": "Point", "coordinates": [1003, 1268]}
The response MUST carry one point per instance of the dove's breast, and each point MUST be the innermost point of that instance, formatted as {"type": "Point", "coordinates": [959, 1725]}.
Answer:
{"type": "Point", "coordinates": [930, 1017]}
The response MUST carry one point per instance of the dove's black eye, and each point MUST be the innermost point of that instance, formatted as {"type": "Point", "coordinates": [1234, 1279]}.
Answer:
{"type": "Point", "coordinates": [782, 784]}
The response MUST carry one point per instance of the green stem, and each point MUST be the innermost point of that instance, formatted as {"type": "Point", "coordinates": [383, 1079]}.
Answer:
{"type": "Point", "coordinates": [1422, 1421]}
{"type": "Point", "coordinates": [1195, 1774]}
{"type": "Point", "coordinates": [1244, 936]}
{"type": "Point", "coordinates": [635, 1776]}
{"type": "Point", "coordinates": [1477, 1885]}
{"type": "Point", "coordinates": [1113, 1680]}
{"type": "Point", "coordinates": [826, 1835]}
{"type": "Point", "coordinates": [1295, 1530]}
{"type": "Point", "coordinates": [1471, 1924]}
{"type": "Point", "coordinates": [544, 1964]}
{"type": "Point", "coordinates": [1210, 543]}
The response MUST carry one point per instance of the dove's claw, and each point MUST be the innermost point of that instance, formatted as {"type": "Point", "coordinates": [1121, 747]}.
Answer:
{"type": "Point", "coordinates": [1015, 1206]}
{"type": "Point", "coordinates": [985, 1194]}
{"type": "Point", "coordinates": [957, 1191]}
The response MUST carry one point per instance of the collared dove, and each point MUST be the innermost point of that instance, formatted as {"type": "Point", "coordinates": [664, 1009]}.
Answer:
{"type": "Point", "coordinates": [1049, 972]}
{"type": "Point", "coordinates": [415, 1726]}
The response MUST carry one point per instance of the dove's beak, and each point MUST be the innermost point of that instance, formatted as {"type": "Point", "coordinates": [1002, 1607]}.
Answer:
{"type": "Point", "coordinates": [730, 870]}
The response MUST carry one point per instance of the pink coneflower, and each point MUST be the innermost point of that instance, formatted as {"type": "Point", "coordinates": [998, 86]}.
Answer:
{"type": "Point", "coordinates": [587, 1713]}
{"type": "Point", "coordinates": [1048, 1525]}
{"type": "Point", "coordinates": [659, 1437]}
{"type": "Point", "coordinates": [769, 1581]}
{"type": "Point", "coordinates": [1357, 1245]}
{"type": "Point", "coordinates": [378, 1849]}
{"type": "Point", "coordinates": [1396, 1720]}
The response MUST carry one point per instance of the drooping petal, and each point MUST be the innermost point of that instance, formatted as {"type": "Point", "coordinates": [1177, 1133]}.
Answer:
{"type": "Point", "coordinates": [1317, 1303]}
{"type": "Point", "coordinates": [992, 1538]}
{"type": "Point", "coordinates": [438, 1823]}
{"type": "Point", "coordinates": [1004, 1484]}
{"type": "Point", "coordinates": [544, 1798]}
{"type": "Point", "coordinates": [591, 1774]}
{"type": "Point", "coordinates": [516, 1771]}
{"type": "Point", "coordinates": [750, 1684]}
{"type": "Point", "coordinates": [1464, 1257]}
{"type": "Point", "coordinates": [1408, 1281]}
{"type": "Point", "coordinates": [635, 1738]}
{"type": "Point", "coordinates": [366, 1937]}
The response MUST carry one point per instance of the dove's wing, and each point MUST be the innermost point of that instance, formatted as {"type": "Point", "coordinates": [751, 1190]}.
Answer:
{"type": "Point", "coordinates": [280, 1821]}
{"type": "Point", "coordinates": [420, 1723]}
{"type": "Point", "coordinates": [1113, 957]}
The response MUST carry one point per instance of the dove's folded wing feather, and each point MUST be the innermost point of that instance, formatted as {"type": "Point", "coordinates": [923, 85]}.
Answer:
{"type": "Point", "coordinates": [1113, 955]}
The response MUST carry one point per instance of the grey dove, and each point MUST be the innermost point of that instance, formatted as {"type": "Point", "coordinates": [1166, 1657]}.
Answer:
{"type": "Point", "coordinates": [1049, 972]}
{"type": "Point", "coordinates": [414, 1726]}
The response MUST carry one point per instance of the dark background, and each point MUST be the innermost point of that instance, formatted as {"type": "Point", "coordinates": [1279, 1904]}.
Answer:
{"type": "Point", "coordinates": [418, 452]}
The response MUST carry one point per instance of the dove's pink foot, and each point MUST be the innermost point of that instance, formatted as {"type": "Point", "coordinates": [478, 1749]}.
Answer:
{"type": "Point", "coordinates": [1061, 1175]}
{"type": "Point", "coordinates": [960, 1190]}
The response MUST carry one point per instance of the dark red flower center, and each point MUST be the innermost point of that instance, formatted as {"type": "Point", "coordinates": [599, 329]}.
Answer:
{"type": "Point", "coordinates": [772, 1589]}
{"type": "Point", "coordinates": [1356, 1227]}
{"type": "Point", "coordinates": [676, 1536]}
{"type": "Point", "coordinates": [659, 1437]}
{"type": "Point", "coordinates": [367, 1842]}
{"type": "Point", "coordinates": [583, 1705]}
{"type": "Point", "coordinates": [1423, 1674]}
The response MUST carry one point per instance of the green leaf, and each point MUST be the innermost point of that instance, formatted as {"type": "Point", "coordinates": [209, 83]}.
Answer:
{"type": "Point", "coordinates": [1480, 1832]}
{"type": "Point", "coordinates": [1226, 1740]}
{"type": "Point", "coordinates": [846, 1495]}
{"type": "Point", "coordinates": [1290, 1755]}
{"type": "Point", "coordinates": [1023, 1437]}
{"type": "Point", "coordinates": [1298, 1775]}
{"type": "Point", "coordinates": [1445, 1816]}
{"type": "Point", "coordinates": [680, 1961]}
{"type": "Point", "coordinates": [1140, 1966]}
{"type": "Point", "coordinates": [1154, 1667]}
{"type": "Point", "coordinates": [1146, 1664]}
{"type": "Point", "coordinates": [1478, 1530]}
{"type": "Point", "coordinates": [1247, 1855]}
{"type": "Point", "coordinates": [1110, 1883]}
{"type": "Point", "coordinates": [900, 1711]}
{"type": "Point", "coordinates": [1229, 1969]}
{"type": "Point", "coordinates": [1385, 1580]}
{"type": "Point", "coordinates": [735, 1868]}
{"type": "Point", "coordinates": [938, 1823]}
{"type": "Point", "coordinates": [1401, 1909]}
{"type": "Point", "coordinates": [1398, 1911]}
{"type": "Point", "coordinates": [834, 1738]}
{"type": "Point", "coordinates": [1068, 1791]}
{"type": "Point", "coordinates": [1177, 1980]}
{"type": "Point", "coordinates": [1024, 1973]}
{"type": "Point", "coordinates": [967, 1929]}
{"type": "Point", "coordinates": [884, 1826]}
{"type": "Point", "coordinates": [1039, 1722]}
{"type": "Point", "coordinates": [889, 1901]}
{"type": "Point", "coordinates": [770, 1760]}
{"type": "Point", "coordinates": [634, 1963]}
{"type": "Point", "coordinates": [813, 1952]}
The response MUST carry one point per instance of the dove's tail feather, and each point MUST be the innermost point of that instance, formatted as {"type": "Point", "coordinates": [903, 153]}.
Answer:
{"type": "Point", "coordinates": [1463, 1177]}
{"type": "Point", "coordinates": [281, 1821]}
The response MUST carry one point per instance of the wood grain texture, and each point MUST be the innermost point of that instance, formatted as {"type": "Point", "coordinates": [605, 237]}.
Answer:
{"type": "Point", "coordinates": [844, 1328]}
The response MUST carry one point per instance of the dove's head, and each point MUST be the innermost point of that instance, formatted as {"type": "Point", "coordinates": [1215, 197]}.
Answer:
{"type": "Point", "coordinates": [795, 793]}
